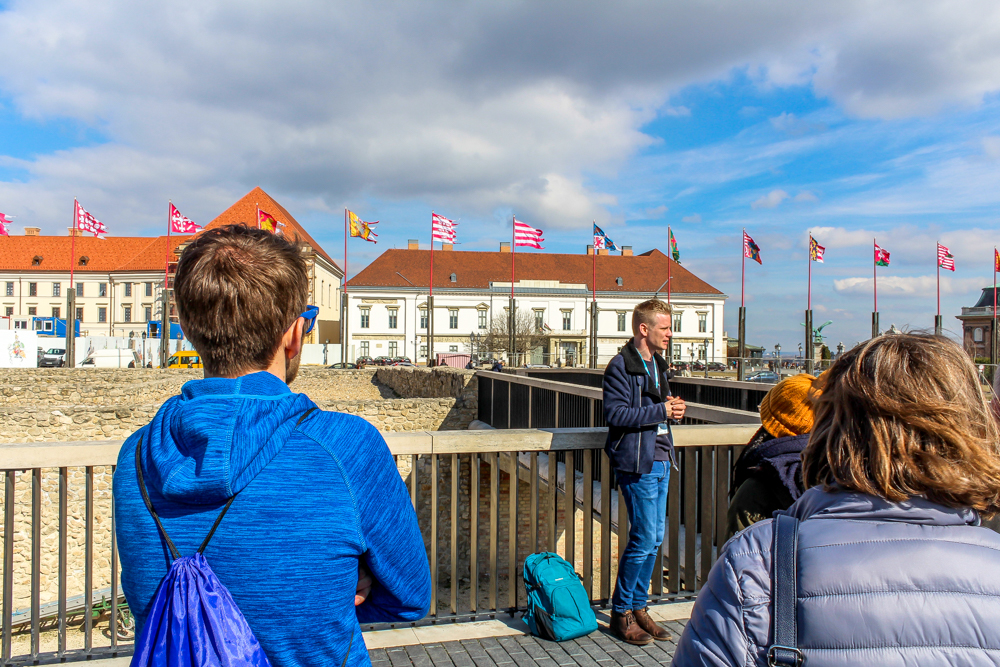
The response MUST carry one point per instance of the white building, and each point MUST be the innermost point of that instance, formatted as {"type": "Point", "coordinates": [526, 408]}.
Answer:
{"type": "Point", "coordinates": [387, 314]}
{"type": "Point", "coordinates": [119, 280]}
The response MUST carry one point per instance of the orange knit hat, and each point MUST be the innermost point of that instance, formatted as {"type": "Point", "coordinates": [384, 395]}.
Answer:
{"type": "Point", "coordinates": [787, 408]}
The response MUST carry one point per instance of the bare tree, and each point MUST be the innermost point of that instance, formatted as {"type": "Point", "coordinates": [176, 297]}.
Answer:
{"type": "Point", "coordinates": [526, 336]}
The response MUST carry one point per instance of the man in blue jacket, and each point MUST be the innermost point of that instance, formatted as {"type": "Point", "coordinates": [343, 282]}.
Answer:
{"type": "Point", "coordinates": [638, 408]}
{"type": "Point", "coordinates": [319, 501]}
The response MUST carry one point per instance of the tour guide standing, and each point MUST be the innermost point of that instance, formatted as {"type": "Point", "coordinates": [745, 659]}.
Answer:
{"type": "Point", "coordinates": [638, 408]}
{"type": "Point", "coordinates": [317, 494]}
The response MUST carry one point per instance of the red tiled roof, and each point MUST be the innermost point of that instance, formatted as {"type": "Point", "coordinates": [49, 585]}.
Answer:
{"type": "Point", "coordinates": [115, 253]}
{"type": "Point", "coordinates": [475, 270]}
{"type": "Point", "coordinates": [245, 210]}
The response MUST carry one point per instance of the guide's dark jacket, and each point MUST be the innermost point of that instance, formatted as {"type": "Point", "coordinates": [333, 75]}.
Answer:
{"type": "Point", "coordinates": [633, 409]}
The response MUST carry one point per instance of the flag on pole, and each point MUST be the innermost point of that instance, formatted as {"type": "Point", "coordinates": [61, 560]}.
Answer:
{"type": "Point", "coordinates": [268, 223]}
{"type": "Point", "coordinates": [181, 225]}
{"type": "Point", "coordinates": [881, 256]}
{"type": "Point", "coordinates": [945, 259]}
{"type": "Point", "coordinates": [360, 228]}
{"type": "Point", "coordinates": [675, 253]}
{"type": "Point", "coordinates": [750, 249]}
{"type": "Point", "coordinates": [526, 235]}
{"type": "Point", "coordinates": [88, 223]}
{"type": "Point", "coordinates": [815, 250]}
{"type": "Point", "coordinates": [442, 229]}
{"type": "Point", "coordinates": [4, 222]}
{"type": "Point", "coordinates": [601, 240]}
{"type": "Point", "coordinates": [996, 258]}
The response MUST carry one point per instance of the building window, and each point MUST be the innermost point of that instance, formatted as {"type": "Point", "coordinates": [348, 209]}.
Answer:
{"type": "Point", "coordinates": [56, 289]}
{"type": "Point", "coordinates": [128, 313]}
{"type": "Point", "coordinates": [423, 318]}
{"type": "Point", "coordinates": [423, 351]}
{"type": "Point", "coordinates": [701, 353]}
{"type": "Point", "coordinates": [364, 348]}
{"type": "Point", "coordinates": [702, 322]}
{"type": "Point", "coordinates": [977, 334]}
{"type": "Point", "coordinates": [149, 313]}
{"type": "Point", "coordinates": [677, 323]}
{"type": "Point", "coordinates": [539, 320]}
{"type": "Point", "coordinates": [79, 289]}
{"type": "Point", "coordinates": [56, 312]}
{"type": "Point", "coordinates": [79, 314]}
{"type": "Point", "coordinates": [128, 289]}
{"type": "Point", "coordinates": [393, 348]}
{"type": "Point", "coordinates": [676, 353]}
{"type": "Point", "coordinates": [621, 321]}
{"type": "Point", "coordinates": [32, 289]}
{"type": "Point", "coordinates": [453, 348]}
{"type": "Point", "coordinates": [453, 318]}
{"type": "Point", "coordinates": [10, 310]}
{"type": "Point", "coordinates": [102, 314]}
{"type": "Point", "coordinates": [482, 319]}
{"type": "Point", "coordinates": [365, 318]}
{"type": "Point", "coordinates": [32, 311]}
{"type": "Point", "coordinates": [567, 320]}
{"type": "Point", "coordinates": [322, 292]}
{"type": "Point", "coordinates": [10, 289]}
{"type": "Point", "coordinates": [393, 318]}
{"type": "Point", "coordinates": [149, 289]}
{"type": "Point", "coordinates": [102, 289]}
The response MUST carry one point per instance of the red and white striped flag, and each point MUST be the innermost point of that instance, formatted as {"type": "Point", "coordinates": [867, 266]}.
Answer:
{"type": "Point", "coordinates": [945, 259]}
{"type": "Point", "coordinates": [815, 250]}
{"type": "Point", "coordinates": [4, 222]}
{"type": "Point", "coordinates": [88, 223]}
{"type": "Point", "coordinates": [181, 225]}
{"type": "Point", "coordinates": [526, 235]}
{"type": "Point", "coordinates": [442, 229]}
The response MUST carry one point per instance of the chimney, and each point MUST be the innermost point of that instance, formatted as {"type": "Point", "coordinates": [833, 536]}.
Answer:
{"type": "Point", "coordinates": [73, 231]}
{"type": "Point", "coordinates": [590, 249]}
{"type": "Point", "coordinates": [446, 246]}
{"type": "Point", "coordinates": [505, 246]}
{"type": "Point", "coordinates": [626, 251]}
{"type": "Point", "coordinates": [32, 231]}
{"type": "Point", "coordinates": [413, 244]}
{"type": "Point", "coordinates": [602, 251]}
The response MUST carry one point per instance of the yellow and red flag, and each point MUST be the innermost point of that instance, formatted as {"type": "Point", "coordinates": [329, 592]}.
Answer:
{"type": "Point", "coordinates": [360, 228]}
{"type": "Point", "coordinates": [267, 222]}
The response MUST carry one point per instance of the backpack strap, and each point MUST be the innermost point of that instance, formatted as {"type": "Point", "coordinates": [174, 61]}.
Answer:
{"type": "Point", "coordinates": [149, 504]}
{"type": "Point", "coordinates": [784, 648]}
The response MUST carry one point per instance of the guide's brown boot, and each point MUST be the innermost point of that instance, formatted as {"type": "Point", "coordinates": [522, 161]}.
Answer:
{"type": "Point", "coordinates": [646, 622]}
{"type": "Point", "coordinates": [626, 629]}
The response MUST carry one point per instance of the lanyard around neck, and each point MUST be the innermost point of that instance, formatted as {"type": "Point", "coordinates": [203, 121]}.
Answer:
{"type": "Point", "coordinates": [654, 374]}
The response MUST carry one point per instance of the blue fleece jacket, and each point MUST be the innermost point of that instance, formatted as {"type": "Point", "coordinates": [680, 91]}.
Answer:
{"type": "Point", "coordinates": [314, 501]}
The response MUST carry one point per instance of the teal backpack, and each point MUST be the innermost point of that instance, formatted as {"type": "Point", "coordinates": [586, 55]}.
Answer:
{"type": "Point", "coordinates": [558, 606]}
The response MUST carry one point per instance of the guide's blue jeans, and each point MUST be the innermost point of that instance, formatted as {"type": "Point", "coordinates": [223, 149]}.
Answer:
{"type": "Point", "coordinates": [646, 501]}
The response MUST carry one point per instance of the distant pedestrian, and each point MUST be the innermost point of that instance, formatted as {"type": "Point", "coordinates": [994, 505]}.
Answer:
{"type": "Point", "coordinates": [497, 366]}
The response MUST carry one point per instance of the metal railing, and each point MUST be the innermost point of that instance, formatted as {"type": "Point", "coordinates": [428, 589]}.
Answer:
{"type": "Point", "coordinates": [477, 524]}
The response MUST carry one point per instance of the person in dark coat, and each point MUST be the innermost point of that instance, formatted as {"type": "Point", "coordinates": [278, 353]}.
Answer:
{"type": "Point", "coordinates": [892, 564]}
{"type": "Point", "coordinates": [768, 474]}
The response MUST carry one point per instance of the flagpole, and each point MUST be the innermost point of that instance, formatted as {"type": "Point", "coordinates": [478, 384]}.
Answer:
{"type": "Point", "coordinates": [938, 325]}
{"type": "Point", "coordinates": [875, 259]}
{"type": "Point", "coordinates": [511, 343]}
{"type": "Point", "coordinates": [430, 304]}
{"type": "Point", "coordinates": [593, 313]}
{"type": "Point", "coordinates": [344, 302]}
{"type": "Point", "coordinates": [810, 348]}
{"type": "Point", "coordinates": [742, 329]}
{"type": "Point", "coordinates": [71, 296]}
{"type": "Point", "coordinates": [670, 252]}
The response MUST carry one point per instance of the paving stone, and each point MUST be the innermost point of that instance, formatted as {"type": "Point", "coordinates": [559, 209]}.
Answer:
{"type": "Point", "coordinates": [398, 657]}
{"type": "Point", "coordinates": [439, 656]}
{"type": "Point", "coordinates": [499, 655]}
{"type": "Point", "coordinates": [418, 656]}
{"type": "Point", "coordinates": [378, 655]}
{"type": "Point", "coordinates": [474, 648]}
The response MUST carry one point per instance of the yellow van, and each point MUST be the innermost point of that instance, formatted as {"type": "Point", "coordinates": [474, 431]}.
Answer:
{"type": "Point", "coordinates": [184, 359]}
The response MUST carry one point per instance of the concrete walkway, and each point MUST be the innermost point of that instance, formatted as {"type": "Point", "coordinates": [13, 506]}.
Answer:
{"type": "Point", "coordinates": [506, 643]}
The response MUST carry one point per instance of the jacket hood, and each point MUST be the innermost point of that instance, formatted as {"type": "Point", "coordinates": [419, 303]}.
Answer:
{"type": "Point", "coordinates": [816, 503]}
{"type": "Point", "coordinates": [208, 443]}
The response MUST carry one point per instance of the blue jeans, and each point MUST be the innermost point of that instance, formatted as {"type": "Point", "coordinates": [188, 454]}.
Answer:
{"type": "Point", "coordinates": [646, 501]}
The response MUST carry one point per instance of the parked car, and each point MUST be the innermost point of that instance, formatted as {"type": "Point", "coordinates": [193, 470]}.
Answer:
{"type": "Point", "coordinates": [365, 361]}
{"type": "Point", "coordinates": [53, 358]}
{"type": "Point", "coordinates": [764, 376]}
{"type": "Point", "coordinates": [120, 358]}
{"type": "Point", "coordinates": [403, 363]}
{"type": "Point", "coordinates": [184, 359]}
{"type": "Point", "coordinates": [382, 361]}
{"type": "Point", "coordinates": [716, 366]}
{"type": "Point", "coordinates": [397, 360]}
{"type": "Point", "coordinates": [342, 366]}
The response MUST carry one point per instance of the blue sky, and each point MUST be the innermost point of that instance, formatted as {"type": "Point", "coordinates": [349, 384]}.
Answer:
{"type": "Point", "coordinates": [847, 120]}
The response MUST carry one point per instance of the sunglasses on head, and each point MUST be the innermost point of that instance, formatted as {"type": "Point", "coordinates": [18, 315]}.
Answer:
{"type": "Point", "coordinates": [310, 315]}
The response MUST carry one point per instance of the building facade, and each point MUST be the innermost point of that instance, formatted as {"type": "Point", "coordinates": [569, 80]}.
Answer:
{"type": "Point", "coordinates": [119, 281]}
{"type": "Point", "coordinates": [978, 334]}
{"type": "Point", "coordinates": [388, 311]}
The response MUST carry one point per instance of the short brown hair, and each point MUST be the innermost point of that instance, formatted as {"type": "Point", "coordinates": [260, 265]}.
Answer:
{"type": "Point", "coordinates": [238, 290]}
{"type": "Point", "coordinates": [646, 312]}
{"type": "Point", "coordinates": [901, 416]}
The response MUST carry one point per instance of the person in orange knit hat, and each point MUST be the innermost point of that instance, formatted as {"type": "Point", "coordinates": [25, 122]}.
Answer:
{"type": "Point", "coordinates": [767, 475]}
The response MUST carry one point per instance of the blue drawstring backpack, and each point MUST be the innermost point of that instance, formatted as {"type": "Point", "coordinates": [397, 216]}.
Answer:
{"type": "Point", "coordinates": [558, 607]}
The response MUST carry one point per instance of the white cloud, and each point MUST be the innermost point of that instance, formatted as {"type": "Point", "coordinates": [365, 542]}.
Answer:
{"type": "Point", "coordinates": [696, 218]}
{"type": "Point", "coordinates": [771, 200]}
{"type": "Point", "coordinates": [915, 286]}
{"type": "Point", "coordinates": [806, 196]}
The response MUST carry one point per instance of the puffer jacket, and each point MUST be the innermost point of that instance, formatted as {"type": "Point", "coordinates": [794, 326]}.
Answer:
{"type": "Point", "coordinates": [879, 583]}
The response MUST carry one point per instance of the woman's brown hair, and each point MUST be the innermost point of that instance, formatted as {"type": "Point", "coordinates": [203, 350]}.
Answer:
{"type": "Point", "coordinates": [904, 415]}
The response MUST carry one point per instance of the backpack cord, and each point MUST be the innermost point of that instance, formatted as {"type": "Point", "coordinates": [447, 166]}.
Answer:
{"type": "Point", "coordinates": [149, 504]}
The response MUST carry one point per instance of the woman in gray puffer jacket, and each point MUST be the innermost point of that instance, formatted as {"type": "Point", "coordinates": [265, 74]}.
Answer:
{"type": "Point", "coordinates": [893, 568]}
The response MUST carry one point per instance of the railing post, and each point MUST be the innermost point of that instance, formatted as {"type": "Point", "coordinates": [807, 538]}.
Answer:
{"type": "Point", "coordinates": [88, 567]}
{"type": "Point", "coordinates": [494, 589]}
{"type": "Point", "coordinates": [474, 531]}
{"type": "Point", "coordinates": [456, 468]}
{"type": "Point", "coordinates": [8, 563]}
{"type": "Point", "coordinates": [63, 554]}
{"type": "Point", "coordinates": [588, 521]}
{"type": "Point", "coordinates": [434, 534]}
{"type": "Point", "coordinates": [512, 534]}
{"type": "Point", "coordinates": [36, 557]}
{"type": "Point", "coordinates": [605, 525]}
